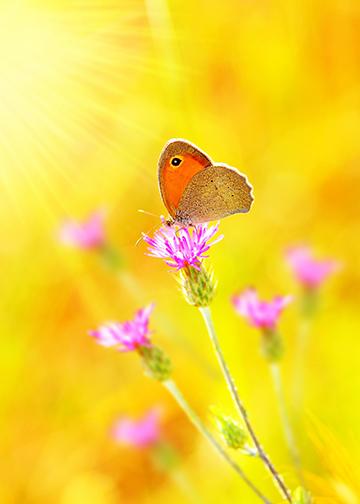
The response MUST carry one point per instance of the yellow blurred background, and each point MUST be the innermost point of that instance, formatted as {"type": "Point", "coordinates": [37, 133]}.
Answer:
{"type": "Point", "coordinates": [89, 93]}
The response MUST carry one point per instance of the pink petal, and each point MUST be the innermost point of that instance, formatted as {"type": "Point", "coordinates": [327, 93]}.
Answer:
{"type": "Point", "coordinates": [138, 433]}
{"type": "Point", "coordinates": [129, 335]}
{"type": "Point", "coordinates": [87, 234]}
{"type": "Point", "coordinates": [259, 313]}
{"type": "Point", "coordinates": [184, 246]}
{"type": "Point", "coordinates": [309, 271]}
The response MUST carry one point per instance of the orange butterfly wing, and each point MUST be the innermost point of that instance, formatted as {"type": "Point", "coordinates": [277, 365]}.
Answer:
{"type": "Point", "coordinates": [179, 162]}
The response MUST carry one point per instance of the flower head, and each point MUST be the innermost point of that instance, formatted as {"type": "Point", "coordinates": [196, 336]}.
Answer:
{"type": "Point", "coordinates": [261, 314]}
{"type": "Point", "coordinates": [127, 336]}
{"type": "Point", "coordinates": [233, 434]}
{"type": "Point", "coordinates": [182, 247]}
{"type": "Point", "coordinates": [309, 271]}
{"type": "Point", "coordinates": [140, 433]}
{"type": "Point", "coordinates": [88, 234]}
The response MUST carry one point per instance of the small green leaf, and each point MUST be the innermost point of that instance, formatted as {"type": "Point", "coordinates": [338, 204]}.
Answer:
{"type": "Point", "coordinates": [302, 496]}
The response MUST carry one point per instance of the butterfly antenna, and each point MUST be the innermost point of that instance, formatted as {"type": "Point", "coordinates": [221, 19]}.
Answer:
{"type": "Point", "coordinates": [147, 213]}
{"type": "Point", "coordinates": [141, 238]}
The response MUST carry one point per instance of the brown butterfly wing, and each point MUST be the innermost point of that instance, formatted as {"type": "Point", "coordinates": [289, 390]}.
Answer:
{"type": "Point", "coordinates": [214, 193]}
{"type": "Point", "coordinates": [174, 180]}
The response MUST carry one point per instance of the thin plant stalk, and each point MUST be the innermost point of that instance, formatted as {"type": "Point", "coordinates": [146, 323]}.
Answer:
{"type": "Point", "coordinates": [171, 386]}
{"type": "Point", "coordinates": [206, 313]}
{"type": "Point", "coordinates": [285, 421]}
{"type": "Point", "coordinates": [167, 460]}
{"type": "Point", "coordinates": [182, 482]}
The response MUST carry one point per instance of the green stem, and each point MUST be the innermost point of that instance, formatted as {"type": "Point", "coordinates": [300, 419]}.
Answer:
{"type": "Point", "coordinates": [111, 257]}
{"type": "Point", "coordinates": [195, 420]}
{"type": "Point", "coordinates": [167, 459]}
{"type": "Point", "coordinates": [286, 425]}
{"type": "Point", "coordinates": [183, 483]}
{"type": "Point", "coordinates": [206, 313]}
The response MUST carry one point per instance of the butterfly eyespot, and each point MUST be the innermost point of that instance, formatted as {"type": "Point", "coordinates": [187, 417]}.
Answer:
{"type": "Point", "coordinates": [176, 161]}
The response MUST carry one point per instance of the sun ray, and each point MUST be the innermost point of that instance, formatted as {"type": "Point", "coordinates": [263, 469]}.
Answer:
{"type": "Point", "coordinates": [59, 91]}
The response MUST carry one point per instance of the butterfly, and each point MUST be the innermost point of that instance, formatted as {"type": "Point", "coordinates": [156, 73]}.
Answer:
{"type": "Point", "coordinates": [195, 190]}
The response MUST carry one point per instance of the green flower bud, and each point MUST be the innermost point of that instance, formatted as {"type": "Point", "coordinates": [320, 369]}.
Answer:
{"type": "Point", "coordinates": [198, 286]}
{"type": "Point", "coordinates": [233, 434]}
{"type": "Point", "coordinates": [156, 363]}
{"type": "Point", "coordinates": [110, 257]}
{"type": "Point", "coordinates": [309, 302]}
{"type": "Point", "coordinates": [165, 457]}
{"type": "Point", "coordinates": [272, 346]}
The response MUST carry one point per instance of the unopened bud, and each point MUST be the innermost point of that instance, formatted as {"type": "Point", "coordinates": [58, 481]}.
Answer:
{"type": "Point", "coordinates": [156, 363]}
{"type": "Point", "coordinates": [110, 257]}
{"type": "Point", "coordinates": [198, 286]}
{"type": "Point", "coordinates": [272, 345]}
{"type": "Point", "coordinates": [165, 456]}
{"type": "Point", "coordinates": [309, 302]}
{"type": "Point", "coordinates": [233, 434]}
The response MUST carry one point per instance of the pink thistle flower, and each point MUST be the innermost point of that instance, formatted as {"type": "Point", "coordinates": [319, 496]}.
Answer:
{"type": "Point", "coordinates": [127, 336]}
{"type": "Point", "coordinates": [89, 234]}
{"type": "Point", "coordinates": [139, 433]}
{"type": "Point", "coordinates": [309, 272]}
{"type": "Point", "coordinates": [260, 314]}
{"type": "Point", "coordinates": [182, 247]}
